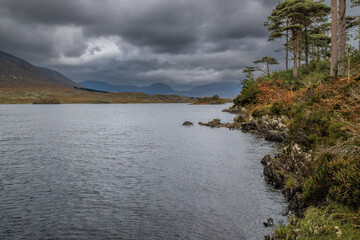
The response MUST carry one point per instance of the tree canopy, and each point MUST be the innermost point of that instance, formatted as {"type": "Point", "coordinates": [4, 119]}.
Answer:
{"type": "Point", "coordinates": [295, 16]}
{"type": "Point", "coordinates": [267, 61]}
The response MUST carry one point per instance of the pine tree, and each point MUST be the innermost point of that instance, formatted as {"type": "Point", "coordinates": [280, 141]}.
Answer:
{"type": "Point", "coordinates": [267, 61]}
{"type": "Point", "coordinates": [319, 40]}
{"type": "Point", "coordinates": [300, 14]}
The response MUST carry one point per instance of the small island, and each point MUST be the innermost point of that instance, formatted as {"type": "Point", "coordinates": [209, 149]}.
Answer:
{"type": "Point", "coordinates": [211, 100]}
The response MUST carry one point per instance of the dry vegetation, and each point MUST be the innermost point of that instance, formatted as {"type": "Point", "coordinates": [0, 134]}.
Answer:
{"type": "Point", "coordinates": [324, 120]}
{"type": "Point", "coordinates": [68, 95]}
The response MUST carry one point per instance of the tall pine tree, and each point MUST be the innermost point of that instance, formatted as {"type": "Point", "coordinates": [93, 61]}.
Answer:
{"type": "Point", "coordinates": [299, 14]}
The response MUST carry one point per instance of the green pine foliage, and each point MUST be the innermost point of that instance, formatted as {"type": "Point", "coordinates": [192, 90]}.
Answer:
{"type": "Point", "coordinates": [249, 88]}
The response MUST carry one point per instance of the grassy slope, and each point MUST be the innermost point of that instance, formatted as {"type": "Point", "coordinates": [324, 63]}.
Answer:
{"type": "Point", "coordinates": [324, 119]}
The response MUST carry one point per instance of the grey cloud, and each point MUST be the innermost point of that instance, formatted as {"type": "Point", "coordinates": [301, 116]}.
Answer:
{"type": "Point", "coordinates": [152, 36]}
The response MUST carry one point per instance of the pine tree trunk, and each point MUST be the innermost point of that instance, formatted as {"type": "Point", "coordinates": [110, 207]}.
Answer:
{"type": "Point", "coordinates": [296, 36]}
{"type": "Point", "coordinates": [334, 44]}
{"type": "Point", "coordinates": [287, 46]}
{"type": "Point", "coordinates": [306, 48]}
{"type": "Point", "coordinates": [342, 36]}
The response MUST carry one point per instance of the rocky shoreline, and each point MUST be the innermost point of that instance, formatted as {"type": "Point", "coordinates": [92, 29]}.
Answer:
{"type": "Point", "coordinates": [286, 169]}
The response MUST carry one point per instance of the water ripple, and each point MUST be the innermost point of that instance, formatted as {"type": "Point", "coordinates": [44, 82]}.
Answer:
{"type": "Point", "coordinates": [130, 172]}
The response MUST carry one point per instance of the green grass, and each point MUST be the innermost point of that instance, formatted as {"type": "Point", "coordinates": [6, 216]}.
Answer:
{"type": "Point", "coordinates": [333, 221]}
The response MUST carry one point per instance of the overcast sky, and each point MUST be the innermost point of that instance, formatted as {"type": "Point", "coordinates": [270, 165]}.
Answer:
{"type": "Point", "coordinates": [139, 42]}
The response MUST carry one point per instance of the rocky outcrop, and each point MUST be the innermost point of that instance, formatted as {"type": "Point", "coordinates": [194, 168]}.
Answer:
{"type": "Point", "coordinates": [216, 123]}
{"type": "Point", "coordinates": [188, 123]}
{"type": "Point", "coordinates": [233, 110]}
{"type": "Point", "coordinates": [274, 135]}
{"type": "Point", "coordinates": [273, 174]}
{"type": "Point", "coordinates": [266, 159]}
{"type": "Point", "coordinates": [286, 172]}
{"type": "Point", "coordinates": [273, 128]}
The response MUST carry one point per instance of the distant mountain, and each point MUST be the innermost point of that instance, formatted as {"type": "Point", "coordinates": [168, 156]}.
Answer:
{"type": "Point", "coordinates": [157, 88]}
{"type": "Point", "coordinates": [224, 90]}
{"type": "Point", "coordinates": [160, 88]}
{"type": "Point", "coordinates": [16, 72]}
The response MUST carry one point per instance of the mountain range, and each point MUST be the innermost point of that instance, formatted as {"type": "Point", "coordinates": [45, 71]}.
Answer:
{"type": "Point", "coordinates": [17, 73]}
{"type": "Point", "coordinates": [224, 90]}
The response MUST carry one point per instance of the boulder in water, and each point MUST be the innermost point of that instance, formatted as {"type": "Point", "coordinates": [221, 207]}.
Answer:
{"type": "Point", "coordinates": [187, 123]}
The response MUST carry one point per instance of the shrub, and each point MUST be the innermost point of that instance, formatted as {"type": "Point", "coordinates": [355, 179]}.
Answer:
{"type": "Point", "coordinates": [345, 181]}
{"type": "Point", "coordinates": [248, 94]}
{"type": "Point", "coordinates": [282, 75]}
{"type": "Point", "coordinates": [308, 122]}
{"type": "Point", "coordinates": [336, 178]}
{"type": "Point", "coordinates": [257, 113]}
{"type": "Point", "coordinates": [215, 97]}
{"type": "Point", "coordinates": [314, 78]}
{"type": "Point", "coordinates": [278, 108]}
{"type": "Point", "coordinates": [316, 185]}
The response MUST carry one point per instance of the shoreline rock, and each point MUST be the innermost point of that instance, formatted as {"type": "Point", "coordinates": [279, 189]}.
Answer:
{"type": "Point", "coordinates": [286, 170]}
{"type": "Point", "coordinates": [188, 123]}
{"type": "Point", "coordinates": [216, 123]}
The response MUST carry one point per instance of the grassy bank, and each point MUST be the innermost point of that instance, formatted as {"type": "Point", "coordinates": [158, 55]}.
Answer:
{"type": "Point", "coordinates": [322, 117]}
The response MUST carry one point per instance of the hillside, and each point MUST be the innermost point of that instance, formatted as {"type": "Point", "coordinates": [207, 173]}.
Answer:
{"type": "Point", "coordinates": [317, 121]}
{"type": "Point", "coordinates": [16, 72]}
{"type": "Point", "coordinates": [224, 90]}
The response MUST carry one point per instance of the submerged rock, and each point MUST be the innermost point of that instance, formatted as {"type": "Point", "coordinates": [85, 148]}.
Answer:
{"type": "Point", "coordinates": [187, 123]}
{"type": "Point", "coordinates": [267, 237]}
{"type": "Point", "coordinates": [269, 223]}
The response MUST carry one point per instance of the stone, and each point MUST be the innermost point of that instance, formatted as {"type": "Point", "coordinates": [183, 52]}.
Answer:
{"type": "Point", "coordinates": [269, 223]}
{"type": "Point", "coordinates": [187, 123]}
{"type": "Point", "coordinates": [275, 135]}
{"type": "Point", "coordinates": [272, 176]}
{"type": "Point", "coordinates": [266, 159]}
{"type": "Point", "coordinates": [250, 126]}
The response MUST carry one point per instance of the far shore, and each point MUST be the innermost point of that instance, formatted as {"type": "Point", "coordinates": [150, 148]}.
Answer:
{"type": "Point", "coordinates": [50, 95]}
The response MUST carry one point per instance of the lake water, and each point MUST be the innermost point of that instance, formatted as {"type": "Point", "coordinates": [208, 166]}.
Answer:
{"type": "Point", "coordinates": [130, 172]}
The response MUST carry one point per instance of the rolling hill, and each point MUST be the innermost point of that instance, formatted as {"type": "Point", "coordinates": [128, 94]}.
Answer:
{"type": "Point", "coordinates": [16, 72]}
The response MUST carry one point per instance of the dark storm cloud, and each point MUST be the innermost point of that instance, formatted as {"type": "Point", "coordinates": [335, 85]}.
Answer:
{"type": "Point", "coordinates": [138, 42]}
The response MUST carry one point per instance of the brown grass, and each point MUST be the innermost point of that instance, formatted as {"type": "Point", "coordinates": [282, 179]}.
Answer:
{"type": "Point", "coordinates": [271, 93]}
{"type": "Point", "coordinates": [69, 95]}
